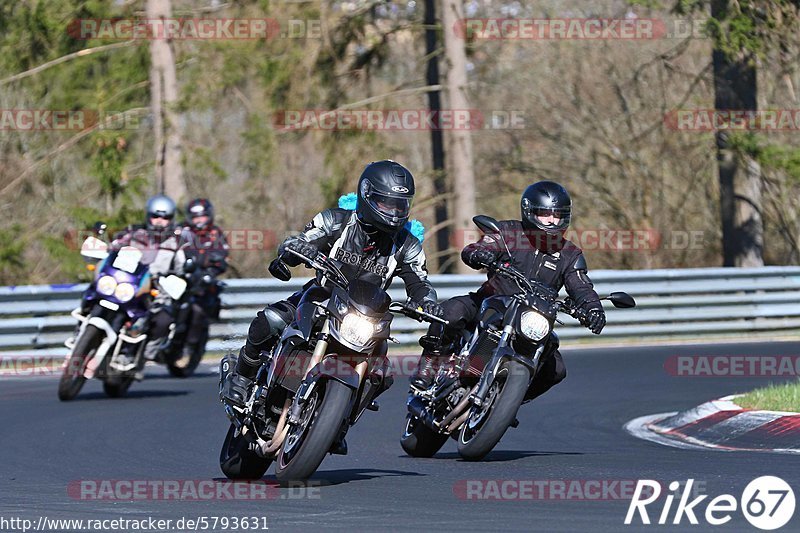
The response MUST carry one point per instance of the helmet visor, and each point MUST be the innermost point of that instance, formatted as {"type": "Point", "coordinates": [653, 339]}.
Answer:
{"type": "Point", "coordinates": [391, 207]}
{"type": "Point", "coordinates": [548, 218]}
{"type": "Point", "coordinates": [197, 210]}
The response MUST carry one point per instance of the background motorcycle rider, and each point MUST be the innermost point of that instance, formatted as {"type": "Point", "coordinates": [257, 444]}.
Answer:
{"type": "Point", "coordinates": [370, 243]}
{"type": "Point", "coordinates": [159, 242]}
{"type": "Point", "coordinates": [539, 250]}
{"type": "Point", "coordinates": [203, 242]}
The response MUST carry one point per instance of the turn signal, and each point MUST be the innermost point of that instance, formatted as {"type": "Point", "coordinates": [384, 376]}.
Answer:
{"type": "Point", "coordinates": [153, 292]}
{"type": "Point", "coordinates": [90, 267]}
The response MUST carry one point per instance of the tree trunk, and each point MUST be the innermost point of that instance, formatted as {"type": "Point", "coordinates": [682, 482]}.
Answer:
{"type": "Point", "coordinates": [739, 175]}
{"type": "Point", "coordinates": [164, 96]}
{"type": "Point", "coordinates": [459, 142]}
{"type": "Point", "coordinates": [437, 141]}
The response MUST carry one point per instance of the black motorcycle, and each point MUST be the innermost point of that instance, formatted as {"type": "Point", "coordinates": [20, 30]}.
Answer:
{"type": "Point", "coordinates": [475, 397]}
{"type": "Point", "coordinates": [326, 370]}
{"type": "Point", "coordinates": [204, 290]}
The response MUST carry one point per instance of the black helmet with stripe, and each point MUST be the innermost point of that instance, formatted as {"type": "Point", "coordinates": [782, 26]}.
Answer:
{"type": "Point", "coordinates": [385, 192]}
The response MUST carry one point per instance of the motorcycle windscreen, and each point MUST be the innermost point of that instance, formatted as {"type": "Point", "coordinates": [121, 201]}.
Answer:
{"type": "Point", "coordinates": [369, 299]}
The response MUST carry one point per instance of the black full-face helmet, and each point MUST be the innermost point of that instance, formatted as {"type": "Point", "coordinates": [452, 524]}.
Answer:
{"type": "Point", "coordinates": [385, 193]}
{"type": "Point", "coordinates": [200, 207]}
{"type": "Point", "coordinates": [546, 206]}
{"type": "Point", "coordinates": [160, 206]}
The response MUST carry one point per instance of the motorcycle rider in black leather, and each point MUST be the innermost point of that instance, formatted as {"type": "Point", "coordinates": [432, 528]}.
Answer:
{"type": "Point", "coordinates": [370, 243]}
{"type": "Point", "coordinates": [207, 247]}
{"type": "Point", "coordinates": [539, 250]}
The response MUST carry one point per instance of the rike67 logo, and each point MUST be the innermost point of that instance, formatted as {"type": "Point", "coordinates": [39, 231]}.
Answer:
{"type": "Point", "coordinates": [767, 503]}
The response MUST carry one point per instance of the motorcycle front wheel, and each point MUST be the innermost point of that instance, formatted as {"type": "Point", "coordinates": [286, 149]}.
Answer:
{"type": "Point", "coordinates": [72, 378]}
{"type": "Point", "coordinates": [487, 424]}
{"type": "Point", "coordinates": [307, 443]}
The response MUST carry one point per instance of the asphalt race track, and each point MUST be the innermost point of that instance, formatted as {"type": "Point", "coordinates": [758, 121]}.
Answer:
{"type": "Point", "coordinates": [171, 429]}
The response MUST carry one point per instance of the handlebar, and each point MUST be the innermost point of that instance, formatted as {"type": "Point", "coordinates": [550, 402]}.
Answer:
{"type": "Point", "coordinates": [567, 305]}
{"type": "Point", "coordinates": [411, 310]}
{"type": "Point", "coordinates": [322, 263]}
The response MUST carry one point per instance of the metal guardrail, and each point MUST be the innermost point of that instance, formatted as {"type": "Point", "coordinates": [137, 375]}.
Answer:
{"type": "Point", "coordinates": [34, 320]}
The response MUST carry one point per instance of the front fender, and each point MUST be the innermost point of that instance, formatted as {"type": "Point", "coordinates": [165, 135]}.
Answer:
{"type": "Point", "coordinates": [333, 368]}
{"type": "Point", "coordinates": [328, 368]}
{"type": "Point", "coordinates": [109, 341]}
{"type": "Point", "coordinates": [502, 354]}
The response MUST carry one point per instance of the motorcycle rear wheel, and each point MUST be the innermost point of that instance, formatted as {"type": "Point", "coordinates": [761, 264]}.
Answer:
{"type": "Point", "coordinates": [117, 387]}
{"type": "Point", "coordinates": [237, 461]}
{"type": "Point", "coordinates": [419, 440]}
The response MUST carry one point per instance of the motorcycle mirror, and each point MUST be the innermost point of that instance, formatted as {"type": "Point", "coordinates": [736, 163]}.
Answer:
{"type": "Point", "coordinates": [489, 225]}
{"type": "Point", "coordinates": [486, 223]}
{"type": "Point", "coordinates": [279, 269]}
{"type": "Point", "coordinates": [622, 300]}
{"type": "Point", "coordinates": [99, 227]}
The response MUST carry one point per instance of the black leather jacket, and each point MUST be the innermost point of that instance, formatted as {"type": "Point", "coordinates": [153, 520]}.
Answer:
{"type": "Point", "coordinates": [561, 264]}
{"type": "Point", "coordinates": [375, 257]}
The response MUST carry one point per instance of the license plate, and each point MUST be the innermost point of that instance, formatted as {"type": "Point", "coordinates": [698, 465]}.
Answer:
{"type": "Point", "coordinates": [109, 305]}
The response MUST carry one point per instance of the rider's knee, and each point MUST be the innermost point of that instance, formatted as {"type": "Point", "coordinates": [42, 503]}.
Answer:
{"type": "Point", "coordinates": [267, 324]}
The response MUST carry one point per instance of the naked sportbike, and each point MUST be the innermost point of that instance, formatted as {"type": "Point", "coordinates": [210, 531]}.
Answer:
{"type": "Point", "coordinates": [475, 397]}
{"type": "Point", "coordinates": [327, 369]}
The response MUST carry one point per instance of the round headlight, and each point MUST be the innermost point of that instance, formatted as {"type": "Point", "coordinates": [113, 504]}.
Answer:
{"type": "Point", "coordinates": [106, 285]}
{"type": "Point", "coordinates": [534, 325]}
{"type": "Point", "coordinates": [124, 292]}
{"type": "Point", "coordinates": [356, 330]}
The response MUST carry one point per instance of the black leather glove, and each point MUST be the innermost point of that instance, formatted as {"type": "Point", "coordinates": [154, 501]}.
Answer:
{"type": "Point", "coordinates": [596, 320]}
{"type": "Point", "coordinates": [482, 258]}
{"type": "Point", "coordinates": [433, 308]}
{"type": "Point", "coordinates": [302, 247]}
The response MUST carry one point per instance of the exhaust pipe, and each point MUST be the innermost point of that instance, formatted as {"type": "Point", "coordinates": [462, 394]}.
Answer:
{"type": "Point", "coordinates": [419, 411]}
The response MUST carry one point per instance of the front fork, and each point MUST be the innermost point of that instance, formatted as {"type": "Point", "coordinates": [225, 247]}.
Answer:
{"type": "Point", "coordinates": [502, 352]}
{"type": "Point", "coordinates": [307, 386]}
{"type": "Point", "coordinates": [487, 378]}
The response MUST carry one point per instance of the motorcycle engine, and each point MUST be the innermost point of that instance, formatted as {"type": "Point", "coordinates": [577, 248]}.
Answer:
{"type": "Point", "coordinates": [455, 397]}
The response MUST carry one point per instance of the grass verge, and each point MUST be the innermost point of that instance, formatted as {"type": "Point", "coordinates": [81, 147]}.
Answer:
{"type": "Point", "coordinates": [783, 397]}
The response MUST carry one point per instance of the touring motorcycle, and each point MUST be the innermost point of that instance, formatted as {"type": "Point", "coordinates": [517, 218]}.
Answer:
{"type": "Point", "coordinates": [327, 369]}
{"type": "Point", "coordinates": [113, 320]}
{"type": "Point", "coordinates": [475, 396]}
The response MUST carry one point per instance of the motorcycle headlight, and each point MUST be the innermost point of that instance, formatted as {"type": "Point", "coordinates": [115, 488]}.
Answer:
{"type": "Point", "coordinates": [356, 330]}
{"type": "Point", "coordinates": [124, 292]}
{"type": "Point", "coordinates": [534, 325]}
{"type": "Point", "coordinates": [106, 285]}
